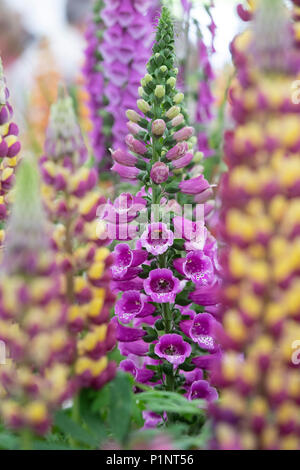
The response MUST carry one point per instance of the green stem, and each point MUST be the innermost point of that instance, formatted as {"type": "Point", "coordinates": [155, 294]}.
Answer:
{"type": "Point", "coordinates": [26, 440]}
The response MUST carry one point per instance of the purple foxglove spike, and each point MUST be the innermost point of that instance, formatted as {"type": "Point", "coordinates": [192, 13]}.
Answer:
{"type": "Point", "coordinates": [172, 348]}
{"type": "Point", "coordinates": [162, 286]}
{"type": "Point", "coordinates": [194, 185]}
{"type": "Point", "coordinates": [199, 268]}
{"type": "Point", "coordinates": [201, 332]}
{"type": "Point", "coordinates": [157, 238]}
{"type": "Point", "coordinates": [201, 390]}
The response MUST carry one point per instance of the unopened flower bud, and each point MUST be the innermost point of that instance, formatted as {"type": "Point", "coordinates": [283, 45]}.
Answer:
{"type": "Point", "coordinates": [176, 71]}
{"type": "Point", "coordinates": [163, 68]}
{"type": "Point", "coordinates": [141, 91]}
{"type": "Point", "coordinates": [198, 157]}
{"type": "Point", "coordinates": [143, 106]}
{"type": "Point", "coordinates": [158, 127]}
{"type": "Point", "coordinates": [133, 115]}
{"type": "Point", "coordinates": [159, 173]}
{"type": "Point", "coordinates": [184, 134]}
{"type": "Point", "coordinates": [173, 112]}
{"type": "Point", "coordinates": [148, 78]}
{"type": "Point", "coordinates": [171, 82]}
{"type": "Point", "coordinates": [178, 98]}
{"type": "Point", "coordinates": [133, 127]}
{"type": "Point", "coordinates": [160, 91]}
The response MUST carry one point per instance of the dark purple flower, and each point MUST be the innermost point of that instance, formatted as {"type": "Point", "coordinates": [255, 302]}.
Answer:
{"type": "Point", "coordinates": [157, 238]}
{"type": "Point", "coordinates": [172, 348]}
{"type": "Point", "coordinates": [201, 331]}
{"type": "Point", "coordinates": [198, 268]}
{"type": "Point", "coordinates": [162, 286]}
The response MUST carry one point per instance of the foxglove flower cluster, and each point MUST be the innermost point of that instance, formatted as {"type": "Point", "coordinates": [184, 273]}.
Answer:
{"type": "Point", "coordinates": [260, 194]}
{"type": "Point", "coordinates": [170, 276]}
{"type": "Point", "coordinates": [115, 62]}
{"type": "Point", "coordinates": [72, 200]}
{"type": "Point", "coordinates": [35, 379]}
{"type": "Point", "coordinates": [9, 149]}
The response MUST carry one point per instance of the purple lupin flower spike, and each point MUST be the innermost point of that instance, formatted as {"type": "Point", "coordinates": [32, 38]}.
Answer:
{"type": "Point", "coordinates": [164, 264]}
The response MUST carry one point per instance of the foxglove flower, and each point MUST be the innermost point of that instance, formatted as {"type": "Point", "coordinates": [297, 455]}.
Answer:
{"type": "Point", "coordinates": [172, 348]}
{"type": "Point", "coordinates": [33, 317]}
{"type": "Point", "coordinates": [157, 238]}
{"type": "Point", "coordinates": [119, 39]}
{"type": "Point", "coordinates": [260, 302]}
{"type": "Point", "coordinates": [162, 286]}
{"type": "Point", "coordinates": [72, 200]}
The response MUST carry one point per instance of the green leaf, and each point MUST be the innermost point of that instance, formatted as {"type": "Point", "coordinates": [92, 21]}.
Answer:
{"type": "Point", "coordinates": [9, 441]}
{"type": "Point", "coordinates": [120, 406]}
{"type": "Point", "coordinates": [74, 430]}
{"type": "Point", "coordinates": [160, 401]}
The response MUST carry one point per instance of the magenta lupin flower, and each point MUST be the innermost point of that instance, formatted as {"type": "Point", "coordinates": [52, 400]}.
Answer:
{"type": "Point", "coordinates": [154, 290]}
{"type": "Point", "coordinates": [172, 348]}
